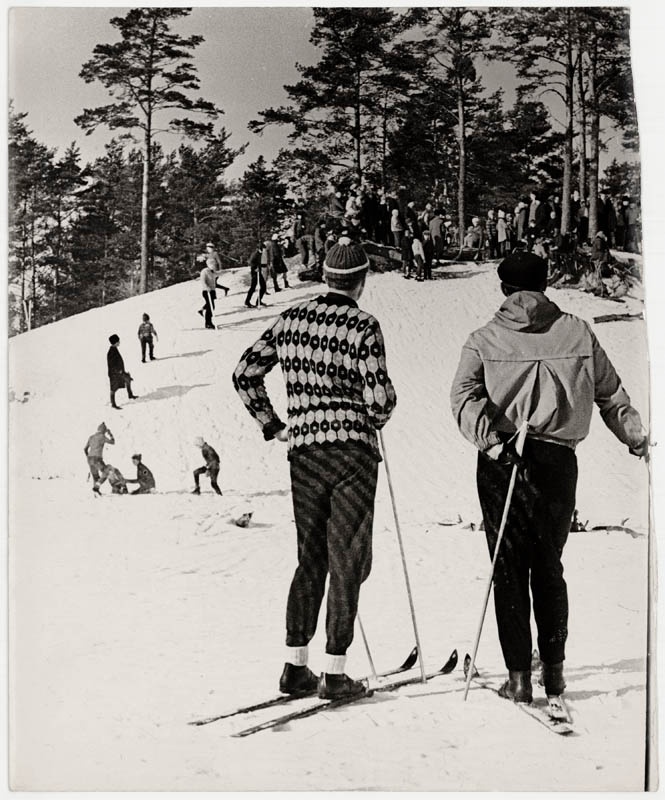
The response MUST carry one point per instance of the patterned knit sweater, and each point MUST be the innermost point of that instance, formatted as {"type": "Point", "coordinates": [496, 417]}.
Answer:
{"type": "Point", "coordinates": [333, 360]}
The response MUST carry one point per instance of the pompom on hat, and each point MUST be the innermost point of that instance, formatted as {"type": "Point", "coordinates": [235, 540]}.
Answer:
{"type": "Point", "coordinates": [346, 259]}
{"type": "Point", "coordinates": [523, 270]}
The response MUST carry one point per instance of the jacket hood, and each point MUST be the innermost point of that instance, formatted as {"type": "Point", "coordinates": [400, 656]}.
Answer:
{"type": "Point", "coordinates": [527, 311]}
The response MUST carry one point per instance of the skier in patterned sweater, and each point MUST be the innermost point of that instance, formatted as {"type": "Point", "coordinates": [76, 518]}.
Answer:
{"type": "Point", "coordinates": [533, 363]}
{"type": "Point", "coordinates": [339, 394]}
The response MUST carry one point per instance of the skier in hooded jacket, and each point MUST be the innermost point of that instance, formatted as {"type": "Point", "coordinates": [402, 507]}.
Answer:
{"type": "Point", "coordinates": [534, 363]}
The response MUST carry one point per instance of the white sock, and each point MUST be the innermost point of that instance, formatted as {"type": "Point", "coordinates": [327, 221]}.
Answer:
{"type": "Point", "coordinates": [297, 655]}
{"type": "Point", "coordinates": [335, 664]}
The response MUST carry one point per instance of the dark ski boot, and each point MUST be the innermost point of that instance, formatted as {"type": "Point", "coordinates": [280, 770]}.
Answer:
{"type": "Point", "coordinates": [332, 687]}
{"type": "Point", "coordinates": [552, 679]}
{"type": "Point", "coordinates": [297, 680]}
{"type": "Point", "coordinates": [196, 491]}
{"type": "Point", "coordinates": [518, 686]}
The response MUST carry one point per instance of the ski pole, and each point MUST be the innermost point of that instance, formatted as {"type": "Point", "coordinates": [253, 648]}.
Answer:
{"type": "Point", "coordinates": [519, 446]}
{"type": "Point", "coordinates": [651, 763]}
{"type": "Point", "coordinates": [401, 549]}
{"type": "Point", "coordinates": [369, 655]}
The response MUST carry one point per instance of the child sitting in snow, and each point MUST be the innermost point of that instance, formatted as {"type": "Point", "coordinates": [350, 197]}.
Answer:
{"type": "Point", "coordinates": [116, 480]}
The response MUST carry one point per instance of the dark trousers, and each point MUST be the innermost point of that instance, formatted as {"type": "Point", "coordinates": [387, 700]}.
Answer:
{"type": "Point", "coordinates": [209, 300]}
{"type": "Point", "coordinates": [536, 531]}
{"type": "Point", "coordinates": [256, 278]}
{"type": "Point", "coordinates": [147, 343]}
{"type": "Point", "coordinates": [333, 500]}
{"type": "Point", "coordinates": [212, 472]}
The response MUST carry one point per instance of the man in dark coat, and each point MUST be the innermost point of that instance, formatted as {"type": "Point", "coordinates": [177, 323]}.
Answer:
{"type": "Point", "coordinates": [118, 377]}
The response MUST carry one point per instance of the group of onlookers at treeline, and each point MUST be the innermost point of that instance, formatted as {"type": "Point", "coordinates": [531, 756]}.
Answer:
{"type": "Point", "coordinates": [428, 233]}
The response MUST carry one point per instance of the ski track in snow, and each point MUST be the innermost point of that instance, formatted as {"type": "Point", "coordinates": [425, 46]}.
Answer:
{"type": "Point", "coordinates": [132, 616]}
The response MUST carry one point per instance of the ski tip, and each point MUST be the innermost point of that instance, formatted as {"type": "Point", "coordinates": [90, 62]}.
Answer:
{"type": "Point", "coordinates": [450, 665]}
{"type": "Point", "coordinates": [411, 659]}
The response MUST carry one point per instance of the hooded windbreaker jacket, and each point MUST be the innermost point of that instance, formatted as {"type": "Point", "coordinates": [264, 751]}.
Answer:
{"type": "Point", "coordinates": [533, 362]}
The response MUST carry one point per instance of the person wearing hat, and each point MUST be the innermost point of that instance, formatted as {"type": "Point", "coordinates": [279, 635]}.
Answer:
{"type": "Point", "coordinates": [211, 468]}
{"type": "Point", "coordinates": [533, 363]}
{"type": "Point", "coordinates": [144, 476]}
{"type": "Point", "coordinates": [215, 263]}
{"type": "Point", "coordinates": [339, 394]}
{"type": "Point", "coordinates": [257, 279]}
{"type": "Point", "coordinates": [118, 377]}
{"type": "Point", "coordinates": [276, 263]}
{"type": "Point", "coordinates": [94, 452]}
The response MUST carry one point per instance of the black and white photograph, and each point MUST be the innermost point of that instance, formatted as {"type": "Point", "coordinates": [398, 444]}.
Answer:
{"type": "Point", "coordinates": [333, 335]}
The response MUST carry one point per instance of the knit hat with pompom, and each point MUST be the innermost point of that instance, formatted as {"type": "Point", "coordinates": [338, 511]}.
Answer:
{"type": "Point", "coordinates": [346, 264]}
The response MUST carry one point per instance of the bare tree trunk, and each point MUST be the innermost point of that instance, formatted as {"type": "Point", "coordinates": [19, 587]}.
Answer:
{"type": "Point", "coordinates": [583, 122]}
{"type": "Point", "coordinates": [461, 173]}
{"type": "Point", "coordinates": [357, 124]}
{"type": "Point", "coordinates": [594, 143]}
{"type": "Point", "coordinates": [145, 203]}
{"type": "Point", "coordinates": [567, 182]}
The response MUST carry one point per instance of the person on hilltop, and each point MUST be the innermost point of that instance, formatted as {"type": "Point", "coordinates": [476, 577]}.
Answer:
{"type": "Point", "coordinates": [144, 477]}
{"type": "Point", "coordinates": [339, 394]}
{"type": "Point", "coordinates": [257, 279]}
{"type": "Point", "coordinates": [215, 263]}
{"type": "Point", "coordinates": [119, 378]}
{"type": "Point", "coordinates": [211, 468]}
{"type": "Point", "coordinates": [94, 452]}
{"type": "Point", "coordinates": [534, 364]}
{"type": "Point", "coordinates": [276, 263]}
{"type": "Point", "coordinates": [209, 294]}
{"type": "Point", "coordinates": [147, 335]}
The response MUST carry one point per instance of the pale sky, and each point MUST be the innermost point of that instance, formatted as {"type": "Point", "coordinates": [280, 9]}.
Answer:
{"type": "Point", "coordinates": [249, 53]}
{"type": "Point", "coordinates": [247, 57]}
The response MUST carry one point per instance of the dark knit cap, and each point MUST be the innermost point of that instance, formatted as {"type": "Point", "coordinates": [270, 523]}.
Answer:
{"type": "Point", "coordinates": [114, 338]}
{"type": "Point", "coordinates": [346, 259]}
{"type": "Point", "coordinates": [523, 270]}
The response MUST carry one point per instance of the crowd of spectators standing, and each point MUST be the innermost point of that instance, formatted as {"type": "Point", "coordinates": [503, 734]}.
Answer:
{"type": "Point", "coordinates": [428, 233]}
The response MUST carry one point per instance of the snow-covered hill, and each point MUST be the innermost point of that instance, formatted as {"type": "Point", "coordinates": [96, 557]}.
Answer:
{"type": "Point", "coordinates": [131, 616]}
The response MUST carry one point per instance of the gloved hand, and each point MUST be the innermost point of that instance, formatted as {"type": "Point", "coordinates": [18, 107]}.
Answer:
{"type": "Point", "coordinates": [505, 453]}
{"type": "Point", "coordinates": [640, 450]}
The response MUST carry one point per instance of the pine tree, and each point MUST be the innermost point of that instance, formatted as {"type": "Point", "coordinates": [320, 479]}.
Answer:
{"type": "Point", "coordinates": [454, 38]}
{"type": "Point", "coordinates": [335, 108]}
{"type": "Point", "coordinates": [147, 73]}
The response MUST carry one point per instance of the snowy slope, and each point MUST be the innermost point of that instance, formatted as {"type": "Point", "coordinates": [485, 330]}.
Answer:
{"type": "Point", "coordinates": [131, 616]}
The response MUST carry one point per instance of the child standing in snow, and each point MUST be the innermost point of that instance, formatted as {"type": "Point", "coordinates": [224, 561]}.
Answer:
{"type": "Point", "coordinates": [211, 468]}
{"type": "Point", "coordinates": [94, 452]}
{"type": "Point", "coordinates": [336, 404]}
{"type": "Point", "coordinates": [145, 334]}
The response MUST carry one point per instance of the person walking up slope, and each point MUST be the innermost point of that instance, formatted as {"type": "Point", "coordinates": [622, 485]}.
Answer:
{"type": "Point", "coordinates": [211, 468]}
{"type": "Point", "coordinates": [339, 394]}
{"type": "Point", "coordinates": [533, 363]}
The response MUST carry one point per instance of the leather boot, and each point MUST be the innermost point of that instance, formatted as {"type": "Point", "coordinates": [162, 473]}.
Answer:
{"type": "Point", "coordinates": [552, 678]}
{"type": "Point", "coordinates": [297, 680]}
{"type": "Point", "coordinates": [332, 686]}
{"type": "Point", "coordinates": [518, 686]}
